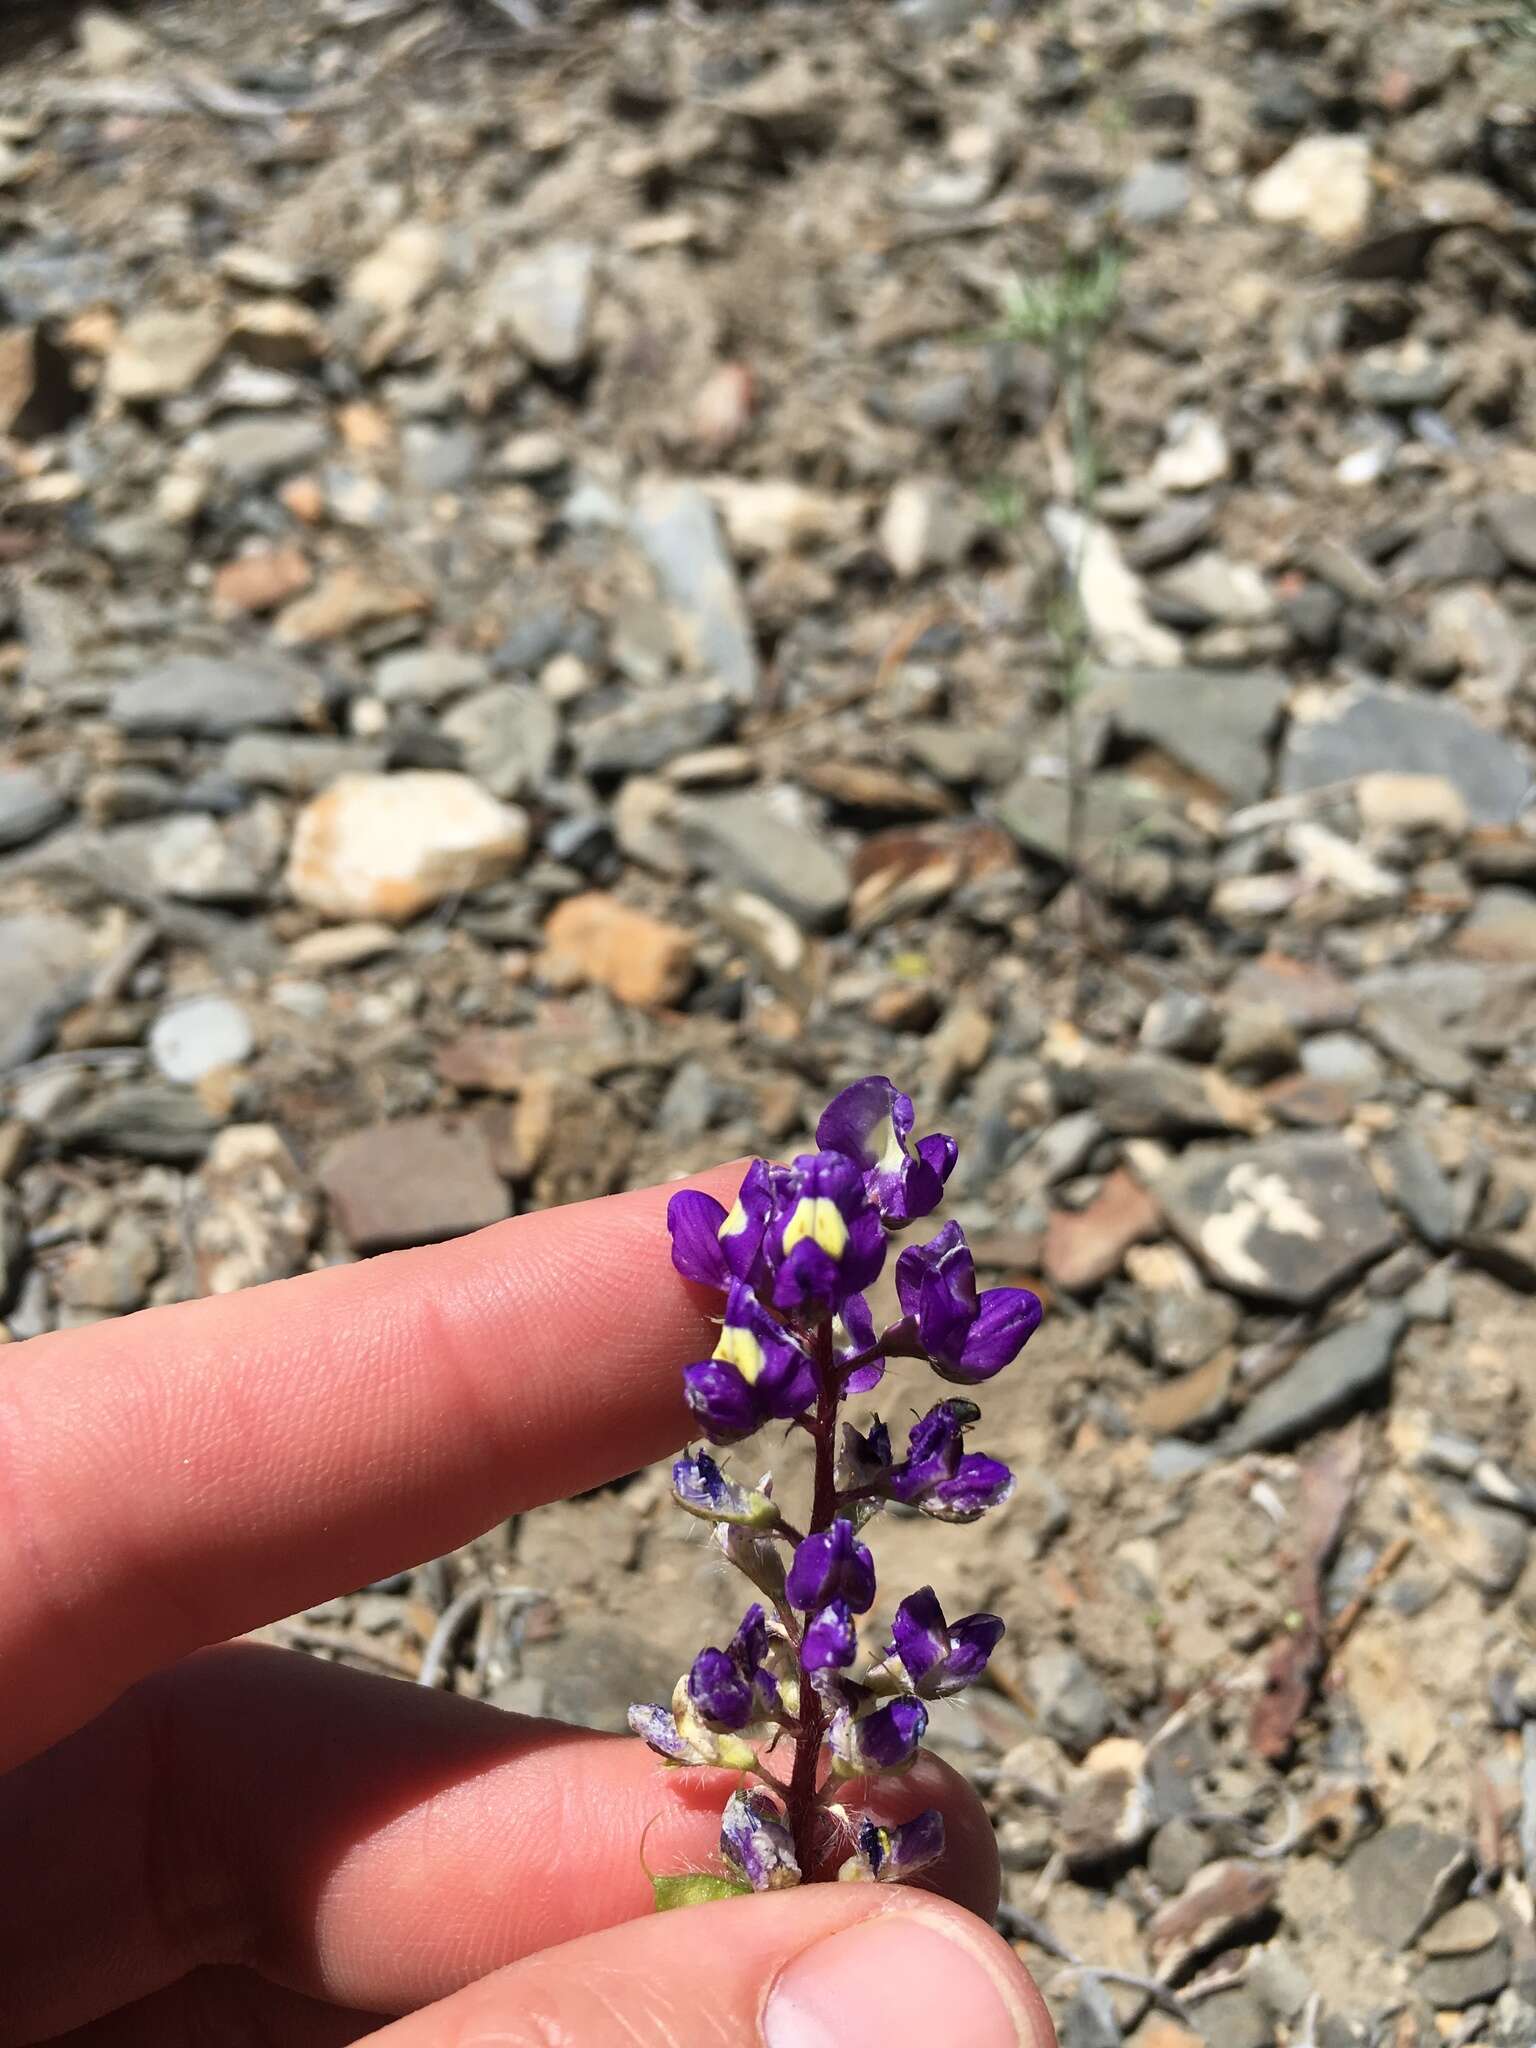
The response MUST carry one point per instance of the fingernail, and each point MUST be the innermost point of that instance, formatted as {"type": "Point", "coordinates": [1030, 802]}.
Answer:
{"type": "Point", "coordinates": [897, 1981]}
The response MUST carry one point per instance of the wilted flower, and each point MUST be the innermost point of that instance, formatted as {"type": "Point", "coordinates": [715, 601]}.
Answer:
{"type": "Point", "coordinates": [893, 1855]}
{"type": "Point", "coordinates": [792, 1256]}
{"type": "Point", "coordinates": [755, 1841]}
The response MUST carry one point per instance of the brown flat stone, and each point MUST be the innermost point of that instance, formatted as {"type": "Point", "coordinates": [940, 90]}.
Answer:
{"type": "Point", "coordinates": [415, 1181]}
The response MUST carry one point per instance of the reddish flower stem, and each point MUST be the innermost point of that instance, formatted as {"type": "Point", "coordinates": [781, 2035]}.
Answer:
{"type": "Point", "coordinates": [801, 1805]}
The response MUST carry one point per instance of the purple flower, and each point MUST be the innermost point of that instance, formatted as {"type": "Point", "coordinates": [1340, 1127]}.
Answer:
{"type": "Point", "coordinates": [871, 1123]}
{"type": "Point", "coordinates": [832, 1565]}
{"type": "Point", "coordinates": [824, 1242]}
{"type": "Point", "coordinates": [936, 1658]}
{"type": "Point", "coordinates": [755, 1841]}
{"type": "Point", "coordinates": [758, 1373]}
{"type": "Point", "coordinates": [702, 1488]}
{"type": "Point", "coordinates": [939, 1476]}
{"type": "Point", "coordinates": [695, 1222]}
{"type": "Point", "coordinates": [729, 1689]}
{"type": "Point", "coordinates": [965, 1336]}
{"type": "Point", "coordinates": [831, 1641]}
{"type": "Point", "coordinates": [854, 1338]}
{"type": "Point", "coordinates": [763, 1193]}
{"type": "Point", "coordinates": [895, 1855]}
{"type": "Point", "coordinates": [885, 1739]}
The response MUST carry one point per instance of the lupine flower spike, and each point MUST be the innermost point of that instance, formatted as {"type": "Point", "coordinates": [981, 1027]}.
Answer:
{"type": "Point", "coordinates": [793, 1258]}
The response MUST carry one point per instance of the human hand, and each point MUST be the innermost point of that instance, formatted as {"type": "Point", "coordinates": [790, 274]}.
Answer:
{"type": "Point", "coordinates": [240, 1844]}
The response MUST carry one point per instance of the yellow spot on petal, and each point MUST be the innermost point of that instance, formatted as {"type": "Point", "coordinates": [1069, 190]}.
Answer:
{"type": "Point", "coordinates": [740, 1348]}
{"type": "Point", "coordinates": [821, 1221]}
{"type": "Point", "coordinates": [735, 1223]}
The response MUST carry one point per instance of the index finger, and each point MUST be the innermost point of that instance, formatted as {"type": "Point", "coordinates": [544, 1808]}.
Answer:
{"type": "Point", "coordinates": [189, 1473]}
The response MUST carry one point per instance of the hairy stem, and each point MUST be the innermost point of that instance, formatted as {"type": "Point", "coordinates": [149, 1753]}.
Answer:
{"type": "Point", "coordinates": [800, 1805]}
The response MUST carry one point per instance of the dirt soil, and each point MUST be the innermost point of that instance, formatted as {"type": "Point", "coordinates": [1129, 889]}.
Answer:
{"type": "Point", "coordinates": [574, 576]}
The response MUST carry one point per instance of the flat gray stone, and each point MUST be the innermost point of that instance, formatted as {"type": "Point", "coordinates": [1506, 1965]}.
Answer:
{"type": "Point", "coordinates": [1368, 727]}
{"type": "Point", "coordinates": [1155, 192]}
{"type": "Point", "coordinates": [1217, 723]}
{"type": "Point", "coordinates": [1416, 1042]}
{"type": "Point", "coordinates": [1147, 1094]}
{"type": "Point", "coordinates": [428, 675]}
{"type": "Point", "coordinates": [1419, 1186]}
{"type": "Point", "coordinates": [1405, 1877]}
{"type": "Point", "coordinates": [675, 527]}
{"type": "Point", "coordinates": [1287, 1218]}
{"type": "Point", "coordinates": [544, 301]}
{"type": "Point", "coordinates": [507, 737]}
{"type": "Point", "coordinates": [257, 448]}
{"type": "Point", "coordinates": [144, 1121]}
{"type": "Point", "coordinates": [654, 729]}
{"type": "Point", "coordinates": [45, 964]}
{"type": "Point", "coordinates": [1512, 519]}
{"type": "Point", "coordinates": [302, 764]}
{"type": "Point", "coordinates": [1459, 1981]}
{"type": "Point", "coordinates": [746, 842]}
{"type": "Point", "coordinates": [1073, 1706]}
{"type": "Point", "coordinates": [28, 807]}
{"type": "Point", "coordinates": [1330, 1378]}
{"type": "Point", "coordinates": [204, 698]}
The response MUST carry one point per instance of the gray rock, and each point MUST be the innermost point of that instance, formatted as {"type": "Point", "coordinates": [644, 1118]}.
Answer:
{"type": "Point", "coordinates": [1073, 1706]}
{"type": "Point", "coordinates": [1344, 1061]}
{"type": "Point", "coordinates": [1065, 1147]}
{"type": "Point", "coordinates": [1331, 1377]}
{"type": "Point", "coordinates": [28, 807]}
{"type": "Point", "coordinates": [1458, 552]}
{"type": "Point", "coordinates": [1148, 1095]}
{"type": "Point", "coordinates": [654, 729]}
{"type": "Point", "coordinates": [45, 964]}
{"type": "Point", "coordinates": [674, 525]}
{"type": "Point", "coordinates": [507, 736]}
{"type": "Point", "coordinates": [1176, 1852]}
{"type": "Point", "coordinates": [1154, 193]}
{"type": "Point", "coordinates": [1398, 377]}
{"type": "Point", "coordinates": [1288, 1218]}
{"type": "Point", "coordinates": [1168, 534]}
{"type": "Point", "coordinates": [1488, 1545]}
{"type": "Point", "coordinates": [258, 448]}
{"type": "Point", "coordinates": [428, 675]}
{"type": "Point", "coordinates": [191, 1038]}
{"type": "Point", "coordinates": [1183, 1022]}
{"type": "Point", "coordinates": [1416, 1042]}
{"type": "Point", "coordinates": [1500, 926]}
{"type": "Point", "coordinates": [143, 1121]}
{"type": "Point", "coordinates": [1459, 1981]}
{"type": "Point", "coordinates": [1405, 1877]}
{"type": "Point", "coordinates": [434, 458]}
{"type": "Point", "coordinates": [544, 302]}
{"type": "Point", "coordinates": [1127, 831]}
{"type": "Point", "coordinates": [1187, 1329]}
{"type": "Point", "coordinates": [204, 698]}
{"type": "Point", "coordinates": [1088, 2017]}
{"type": "Point", "coordinates": [1419, 1187]}
{"type": "Point", "coordinates": [1235, 2019]}
{"type": "Point", "coordinates": [1512, 519]}
{"type": "Point", "coordinates": [1276, 1978]}
{"type": "Point", "coordinates": [961, 754]}
{"type": "Point", "coordinates": [747, 842]}
{"type": "Point", "coordinates": [592, 1670]}
{"type": "Point", "coordinates": [1368, 726]}
{"type": "Point", "coordinates": [301, 764]}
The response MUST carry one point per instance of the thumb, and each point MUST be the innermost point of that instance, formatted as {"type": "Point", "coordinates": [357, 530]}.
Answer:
{"type": "Point", "coordinates": [831, 1966]}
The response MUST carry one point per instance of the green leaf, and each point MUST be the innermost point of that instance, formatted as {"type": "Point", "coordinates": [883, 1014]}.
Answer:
{"type": "Point", "coordinates": [695, 1890]}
